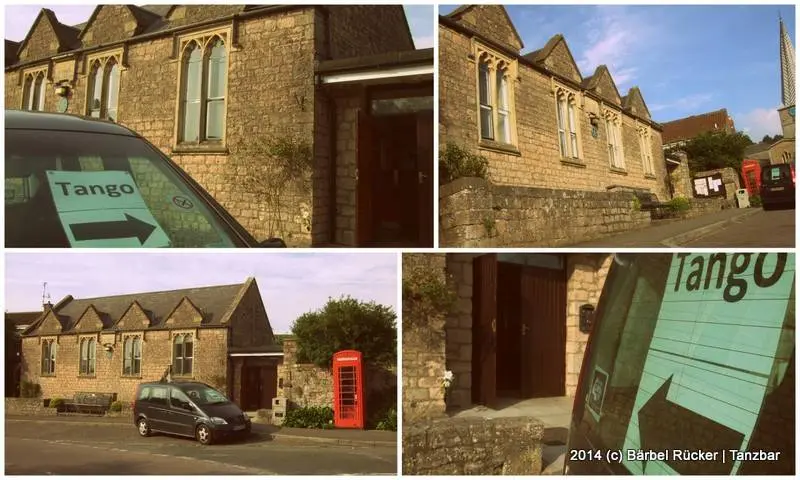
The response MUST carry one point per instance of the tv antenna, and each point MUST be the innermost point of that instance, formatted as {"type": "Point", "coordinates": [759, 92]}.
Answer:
{"type": "Point", "coordinates": [45, 294]}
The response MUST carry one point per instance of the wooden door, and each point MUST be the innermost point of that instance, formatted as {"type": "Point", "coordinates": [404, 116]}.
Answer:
{"type": "Point", "coordinates": [543, 332]}
{"type": "Point", "coordinates": [425, 159]}
{"type": "Point", "coordinates": [251, 388]}
{"type": "Point", "coordinates": [484, 330]}
{"type": "Point", "coordinates": [365, 154]}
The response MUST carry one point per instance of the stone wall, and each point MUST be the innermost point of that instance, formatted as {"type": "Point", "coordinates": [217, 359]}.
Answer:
{"type": "Point", "coordinates": [681, 178]}
{"type": "Point", "coordinates": [209, 366]}
{"type": "Point", "coordinates": [28, 407]}
{"type": "Point", "coordinates": [470, 446]}
{"type": "Point", "coordinates": [535, 159]}
{"type": "Point", "coordinates": [307, 385]}
{"type": "Point", "coordinates": [346, 167]}
{"type": "Point", "coordinates": [586, 276]}
{"type": "Point", "coordinates": [476, 213]}
{"type": "Point", "coordinates": [423, 348]}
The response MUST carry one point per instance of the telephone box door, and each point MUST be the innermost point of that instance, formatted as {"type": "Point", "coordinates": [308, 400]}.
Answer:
{"type": "Point", "coordinates": [348, 385]}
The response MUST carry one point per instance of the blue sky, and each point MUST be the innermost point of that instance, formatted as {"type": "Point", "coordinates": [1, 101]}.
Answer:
{"type": "Point", "coordinates": [19, 19]}
{"type": "Point", "coordinates": [686, 59]}
{"type": "Point", "coordinates": [290, 283]}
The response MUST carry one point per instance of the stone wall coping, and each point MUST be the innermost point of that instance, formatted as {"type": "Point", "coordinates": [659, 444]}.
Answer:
{"type": "Point", "coordinates": [463, 183]}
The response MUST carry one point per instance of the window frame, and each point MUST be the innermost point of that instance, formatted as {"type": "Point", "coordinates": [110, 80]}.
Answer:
{"type": "Point", "coordinates": [614, 125]}
{"type": "Point", "coordinates": [182, 359]}
{"type": "Point", "coordinates": [34, 82]}
{"type": "Point", "coordinates": [48, 351]}
{"type": "Point", "coordinates": [132, 352]}
{"type": "Point", "coordinates": [568, 135]}
{"type": "Point", "coordinates": [103, 62]}
{"type": "Point", "coordinates": [204, 40]}
{"type": "Point", "coordinates": [645, 141]}
{"type": "Point", "coordinates": [498, 73]}
{"type": "Point", "coordinates": [87, 357]}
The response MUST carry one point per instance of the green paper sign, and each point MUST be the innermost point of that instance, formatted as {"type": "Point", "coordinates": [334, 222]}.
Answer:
{"type": "Point", "coordinates": [104, 209]}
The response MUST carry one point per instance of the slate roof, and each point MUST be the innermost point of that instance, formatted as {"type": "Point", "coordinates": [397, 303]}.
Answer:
{"type": "Point", "coordinates": [538, 56]}
{"type": "Point", "coordinates": [22, 319]}
{"type": "Point", "coordinates": [12, 48]}
{"type": "Point", "coordinates": [690, 127]}
{"type": "Point", "coordinates": [213, 302]}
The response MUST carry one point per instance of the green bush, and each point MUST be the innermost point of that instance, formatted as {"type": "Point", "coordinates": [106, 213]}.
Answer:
{"type": "Point", "coordinates": [755, 201]}
{"type": "Point", "coordinates": [309, 417]}
{"type": "Point", "coordinates": [456, 162]}
{"type": "Point", "coordinates": [389, 421]}
{"type": "Point", "coordinates": [29, 389]}
{"type": "Point", "coordinates": [679, 204]}
{"type": "Point", "coordinates": [116, 406]}
{"type": "Point", "coordinates": [637, 205]}
{"type": "Point", "coordinates": [57, 403]}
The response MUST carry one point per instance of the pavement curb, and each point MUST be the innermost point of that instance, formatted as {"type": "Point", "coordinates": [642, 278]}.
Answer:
{"type": "Point", "coordinates": [697, 233]}
{"type": "Point", "coordinates": [273, 436]}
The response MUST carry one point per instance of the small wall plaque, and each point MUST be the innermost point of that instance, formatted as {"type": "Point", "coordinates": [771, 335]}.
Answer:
{"type": "Point", "coordinates": [63, 103]}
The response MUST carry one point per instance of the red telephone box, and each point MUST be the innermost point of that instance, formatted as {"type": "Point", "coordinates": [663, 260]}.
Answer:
{"type": "Point", "coordinates": [348, 385]}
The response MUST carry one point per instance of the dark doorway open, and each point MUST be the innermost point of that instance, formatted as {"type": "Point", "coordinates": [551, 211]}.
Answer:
{"type": "Point", "coordinates": [519, 327]}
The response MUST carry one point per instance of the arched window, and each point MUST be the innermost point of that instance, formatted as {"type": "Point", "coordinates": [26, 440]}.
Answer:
{"type": "Point", "coordinates": [192, 92]}
{"type": "Point", "coordinates": [38, 92]}
{"type": "Point", "coordinates": [484, 97]}
{"type": "Point", "coordinates": [204, 78]}
{"type": "Point", "coordinates": [27, 93]}
{"type": "Point", "coordinates": [503, 109]}
{"type": "Point", "coordinates": [182, 348]}
{"type": "Point", "coordinates": [132, 356]}
{"type": "Point", "coordinates": [49, 357]}
{"type": "Point", "coordinates": [215, 95]}
{"type": "Point", "coordinates": [96, 95]}
{"type": "Point", "coordinates": [88, 351]}
{"type": "Point", "coordinates": [111, 89]}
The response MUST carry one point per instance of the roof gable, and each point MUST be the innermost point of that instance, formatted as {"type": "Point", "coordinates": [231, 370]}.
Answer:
{"type": "Point", "coordinates": [556, 57]}
{"type": "Point", "coordinates": [602, 84]}
{"type": "Point", "coordinates": [492, 21]}
{"type": "Point", "coordinates": [110, 23]}
{"type": "Point", "coordinates": [185, 314]}
{"type": "Point", "coordinates": [634, 103]}
{"type": "Point", "coordinates": [90, 321]}
{"type": "Point", "coordinates": [134, 318]}
{"type": "Point", "coordinates": [50, 324]}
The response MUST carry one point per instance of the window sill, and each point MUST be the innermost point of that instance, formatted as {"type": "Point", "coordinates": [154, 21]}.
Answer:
{"type": "Point", "coordinates": [650, 176]}
{"type": "Point", "coordinates": [50, 375]}
{"type": "Point", "coordinates": [573, 162]}
{"type": "Point", "coordinates": [89, 376]}
{"type": "Point", "coordinates": [618, 171]}
{"type": "Point", "coordinates": [131, 376]}
{"type": "Point", "coordinates": [201, 148]}
{"type": "Point", "coordinates": [183, 377]}
{"type": "Point", "coordinates": [498, 147]}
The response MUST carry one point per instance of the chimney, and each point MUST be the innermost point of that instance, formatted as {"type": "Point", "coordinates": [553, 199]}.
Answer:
{"type": "Point", "coordinates": [46, 303]}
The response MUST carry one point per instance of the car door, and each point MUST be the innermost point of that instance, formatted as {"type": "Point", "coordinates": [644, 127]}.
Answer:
{"type": "Point", "coordinates": [182, 413]}
{"type": "Point", "coordinates": [158, 409]}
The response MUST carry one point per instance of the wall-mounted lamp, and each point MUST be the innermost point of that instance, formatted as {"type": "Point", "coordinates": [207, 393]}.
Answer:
{"type": "Point", "coordinates": [63, 89]}
{"type": "Point", "coordinates": [594, 119]}
{"type": "Point", "coordinates": [109, 348]}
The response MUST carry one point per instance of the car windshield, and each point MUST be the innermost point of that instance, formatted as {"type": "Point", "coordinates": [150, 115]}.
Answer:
{"type": "Point", "coordinates": [78, 189]}
{"type": "Point", "coordinates": [691, 352]}
{"type": "Point", "coordinates": [203, 395]}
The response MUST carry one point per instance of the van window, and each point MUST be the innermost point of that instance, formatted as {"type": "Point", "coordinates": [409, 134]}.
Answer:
{"type": "Point", "coordinates": [776, 174]}
{"type": "Point", "coordinates": [144, 393]}
{"type": "Point", "coordinates": [158, 396]}
{"type": "Point", "coordinates": [693, 353]}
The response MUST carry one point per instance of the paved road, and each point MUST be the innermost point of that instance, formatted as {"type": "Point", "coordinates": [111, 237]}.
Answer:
{"type": "Point", "coordinates": [42, 448]}
{"type": "Point", "coordinates": [774, 228]}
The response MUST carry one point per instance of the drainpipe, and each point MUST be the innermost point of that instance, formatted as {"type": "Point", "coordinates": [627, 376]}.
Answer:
{"type": "Point", "coordinates": [333, 166]}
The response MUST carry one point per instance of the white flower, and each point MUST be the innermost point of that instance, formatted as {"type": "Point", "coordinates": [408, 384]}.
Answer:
{"type": "Point", "coordinates": [448, 379]}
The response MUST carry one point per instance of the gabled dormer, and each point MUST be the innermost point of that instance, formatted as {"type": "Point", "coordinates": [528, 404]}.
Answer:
{"type": "Point", "coordinates": [490, 21]}
{"type": "Point", "coordinates": [111, 23]}
{"type": "Point", "coordinates": [633, 103]}
{"type": "Point", "coordinates": [134, 318]}
{"type": "Point", "coordinates": [90, 321]}
{"type": "Point", "coordinates": [185, 314]}
{"type": "Point", "coordinates": [47, 37]}
{"type": "Point", "coordinates": [187, 14]}
{"type": "Point", "coordinates": [556, 57]}
{"type": "Point", "coordinates": [49, 324]}
{"type": "Point", "coordinates": [602, 85]}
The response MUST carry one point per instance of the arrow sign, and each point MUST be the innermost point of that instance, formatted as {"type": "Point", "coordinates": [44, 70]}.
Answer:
{"type": "Point", "coordinates": [664, 425]}
{"type": "Point", "coordinates": [130, 227]}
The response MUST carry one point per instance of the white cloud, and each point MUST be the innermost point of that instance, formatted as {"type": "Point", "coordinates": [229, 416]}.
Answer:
{"type": "Point", "coordinates": [758, 122]}
{"type": "Point", "coordinates": [616, 38]}
{"type": "Point", "coordinates": [689, 103]}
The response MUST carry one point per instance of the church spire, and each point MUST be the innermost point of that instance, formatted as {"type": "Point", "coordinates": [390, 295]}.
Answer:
{"type": "Point", "coordinates": [787, 67]}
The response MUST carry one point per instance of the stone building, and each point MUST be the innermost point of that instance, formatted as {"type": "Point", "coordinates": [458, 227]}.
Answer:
{"type": "Point", "coordinates": [535, 117]}
{"type": "Point", "coordinates": [218, 335]}
{"type": "Point", "coordinates": [678, 132]}
{"type": "Point", "coordinates": [221, 88]}
{"type": "Point", "coordinates": [514, 332]}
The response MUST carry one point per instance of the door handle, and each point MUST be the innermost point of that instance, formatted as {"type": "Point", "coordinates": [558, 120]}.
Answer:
{"type": "Point", "coordinates": [525, 329]}
{"type": "Point", "coordinates": [494, 325]}
{"type": "Point", "coordinates": [422, 178]}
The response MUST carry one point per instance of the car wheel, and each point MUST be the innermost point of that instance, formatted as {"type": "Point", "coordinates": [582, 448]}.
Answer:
{"type": "Point", "coordinates": [143, 427]}
{"type": "Point", "coordinates": [203, 434]}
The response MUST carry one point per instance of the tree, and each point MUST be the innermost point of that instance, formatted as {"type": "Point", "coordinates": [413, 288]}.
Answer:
{"type": "Point", "coordinates": [347, 324]}
{"type": "Point", "coordinates": [768, 139]}
{"type": "Point", "coordinates": [712, 150]}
